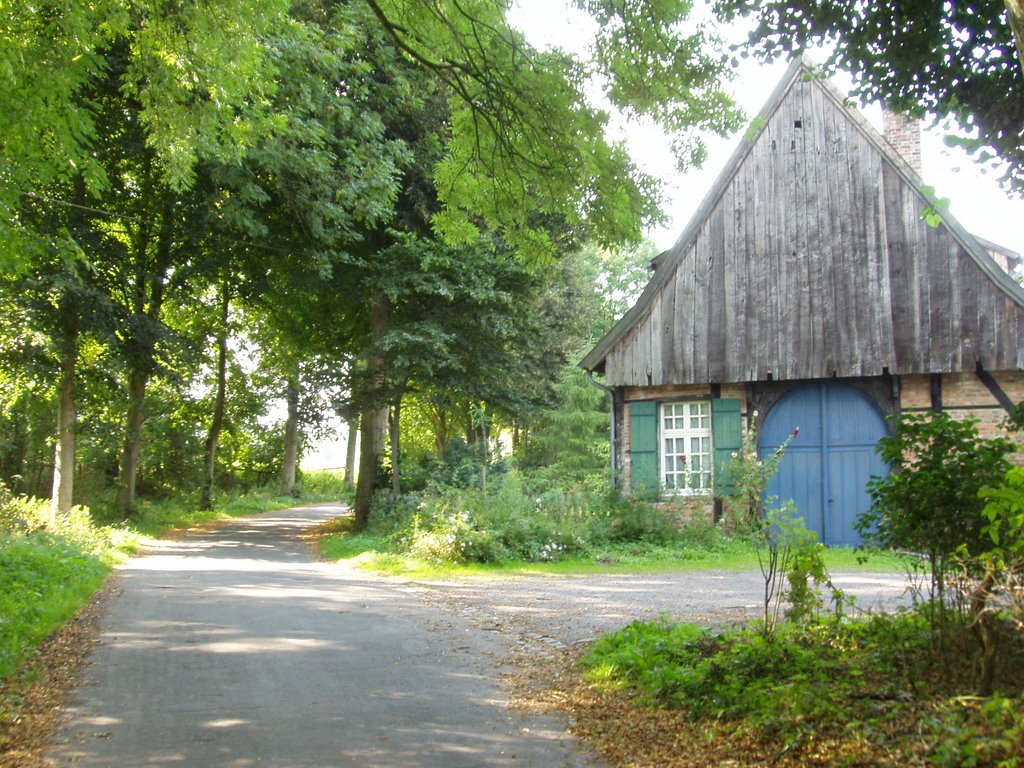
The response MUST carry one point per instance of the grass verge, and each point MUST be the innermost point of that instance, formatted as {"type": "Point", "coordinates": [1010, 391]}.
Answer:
{"type": "Point", "coordinates": [374, 552]}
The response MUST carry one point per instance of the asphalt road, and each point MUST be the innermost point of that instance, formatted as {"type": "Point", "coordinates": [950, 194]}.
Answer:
{"type": "Point", "coordinates": [234, 647]}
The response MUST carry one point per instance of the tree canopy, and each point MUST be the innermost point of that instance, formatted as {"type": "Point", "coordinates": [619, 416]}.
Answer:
{"type": "Point", "coordinates": [523, 139]}
{"type": "Point", "coordinates": [359, 193]}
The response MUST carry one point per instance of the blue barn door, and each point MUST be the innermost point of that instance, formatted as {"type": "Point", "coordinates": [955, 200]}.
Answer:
{"type": "Point", "coordinates": [827, 466]}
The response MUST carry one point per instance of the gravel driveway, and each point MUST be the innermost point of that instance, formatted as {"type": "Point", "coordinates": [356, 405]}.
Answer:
{"type": "Point", "coordinates": [561, 611]}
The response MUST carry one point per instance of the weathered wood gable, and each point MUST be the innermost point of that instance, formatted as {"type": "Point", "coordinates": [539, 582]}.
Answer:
{"type": "Point", "coordinates": [811, 258]}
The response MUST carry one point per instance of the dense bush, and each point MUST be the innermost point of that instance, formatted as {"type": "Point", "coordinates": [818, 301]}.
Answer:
{"type": "Point", "coordinates": [511, 521]}
{"type": "Point", "coordinates": [933, 504]}
{"type": "Point", "coordinates": [929, 503]}
{"type": "Point", "coordinates": [459, 466]}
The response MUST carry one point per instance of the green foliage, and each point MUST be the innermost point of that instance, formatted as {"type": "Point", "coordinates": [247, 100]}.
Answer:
{"type": "Point", "coordinates": [748, 476]}
{"type": "Point", "coordinates": [324, 484]}
{"type": "Point", "coordinates": [868, 684]}
{"type": "Point", "coordinates": [456, 525]}
{"type": "Point", "coordinates": [624, 519]}
{"type": "Point", "coordinates": [459, 466]}
{"type": "Point", "coordinates": [1001, 591]}
{"type": "Point", "coordinates": [44, 580]}
{"type": "Point", "coordinates": [523, 115]}
{"type": "Point", "coordinates": [802, 559]}
{"type": "Point", "coordinates": [932, 504]}
{"type": "Point", "coordinates": [786, 549]}
{"type": "Point", "coordinates": [570, 445]}
{"type": "Point", "coordinates": [49, 567]}
{"type": "Point", "coordinates": [980, 732]}
{"type": "Point", "coordinates": [929, 503]}
{"type": "Point", "coordinates": [1004, 511]}
{"type": "Point", "coordinates": [739, 675]}
{"type": "Point", "coordinates": [509, 522]}
{"type": "Point", "coordinates": [647, 540]}
{"type": "Point", "coordinates": [156, 153]}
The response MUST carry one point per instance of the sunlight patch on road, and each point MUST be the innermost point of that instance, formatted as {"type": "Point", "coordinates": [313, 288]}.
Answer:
{"type": "Point", "coordinates": [261, 645]}
{"type": "Point", "coordinates": [186, 562]}
{"type": "Point", "coordinates": [226, 722]}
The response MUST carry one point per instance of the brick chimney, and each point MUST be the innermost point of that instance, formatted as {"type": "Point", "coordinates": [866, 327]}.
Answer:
{"type": "Point", "coordinates": [904, 133]}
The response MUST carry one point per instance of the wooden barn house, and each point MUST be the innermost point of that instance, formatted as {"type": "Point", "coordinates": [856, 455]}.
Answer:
{"type": "Point", "coordinates": [818, 286]}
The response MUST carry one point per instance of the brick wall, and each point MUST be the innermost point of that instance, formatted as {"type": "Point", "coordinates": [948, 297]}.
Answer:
{"type": "Point", "coordinates": [964, 395]}
{"type": "Point", "coordinates": [904, 134]}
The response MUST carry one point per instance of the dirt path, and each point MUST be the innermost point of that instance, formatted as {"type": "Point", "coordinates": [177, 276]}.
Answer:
{"type": "Point", "coordinates": [564, 610]}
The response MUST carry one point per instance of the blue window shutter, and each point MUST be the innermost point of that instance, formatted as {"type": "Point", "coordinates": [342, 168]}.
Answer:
{"type": "Point", "coordinates": [727, 436]}
{"type": "Point", "coordinates": [643, 449]}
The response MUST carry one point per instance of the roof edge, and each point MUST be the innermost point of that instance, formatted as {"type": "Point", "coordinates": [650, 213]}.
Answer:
{"type": "Point", "coordinates": [667, 261]}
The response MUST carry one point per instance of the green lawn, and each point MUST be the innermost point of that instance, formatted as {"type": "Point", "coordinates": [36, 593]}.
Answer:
{"type": "Point", "coordinates": [370, 552]}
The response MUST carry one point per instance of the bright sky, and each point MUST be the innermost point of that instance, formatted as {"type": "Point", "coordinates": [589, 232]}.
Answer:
{"type": "Point", "coordinates": [976, 200]}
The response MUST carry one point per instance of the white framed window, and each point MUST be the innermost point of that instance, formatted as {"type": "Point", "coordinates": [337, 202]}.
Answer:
{"type": "Point", "coordinates": [686, 452]}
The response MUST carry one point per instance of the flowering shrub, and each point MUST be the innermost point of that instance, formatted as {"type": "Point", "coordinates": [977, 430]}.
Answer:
{"type": "Point", "coordinates": [786, 549]}
{"type": "Point", "coordinates": [747, 480]}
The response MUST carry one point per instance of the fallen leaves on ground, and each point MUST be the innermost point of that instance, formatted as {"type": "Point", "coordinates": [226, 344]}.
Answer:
{"type": "Point", "coordinates": [627, 733]}
{"type": "Point", "coordinates": [32, 699]}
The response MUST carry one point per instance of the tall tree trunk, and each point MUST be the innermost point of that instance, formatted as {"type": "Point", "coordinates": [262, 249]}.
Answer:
{"type": "Point", "coordinates": [372, 435]}
{"type": "Point", "coordinates": [485, 458]}
{"type": "Point", "coordinates": [217, 423]}
{"type": "Point", "coordinates": [481, 428]}
{"type": "Point", "coordinates": [70, 314]}
{"type": "Point", "coordinates": [291, 435]}
{"type": "Point", "coordinates": [124, 501]}
{"type": "Point", "coordinates": [471, 434]}
{"type": "Point", "coordinates": [349, 482]}
{"type": "Point", "coordinates": [374, 422]}
{"type": "Point", "coordinates": [440, 431]}
{"type": "Point", "coordinates": [147, 300]}
{"type": "Point", "coordinates": [396, 446]}
{"type": "Point", "coordinates": [1015, 12]}
{"type": "Point", "coordinates": [64, 456]}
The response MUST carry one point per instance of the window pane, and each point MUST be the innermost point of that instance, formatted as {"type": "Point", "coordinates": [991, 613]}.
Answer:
{"type": "Point", "coordinates": [686, 446]}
